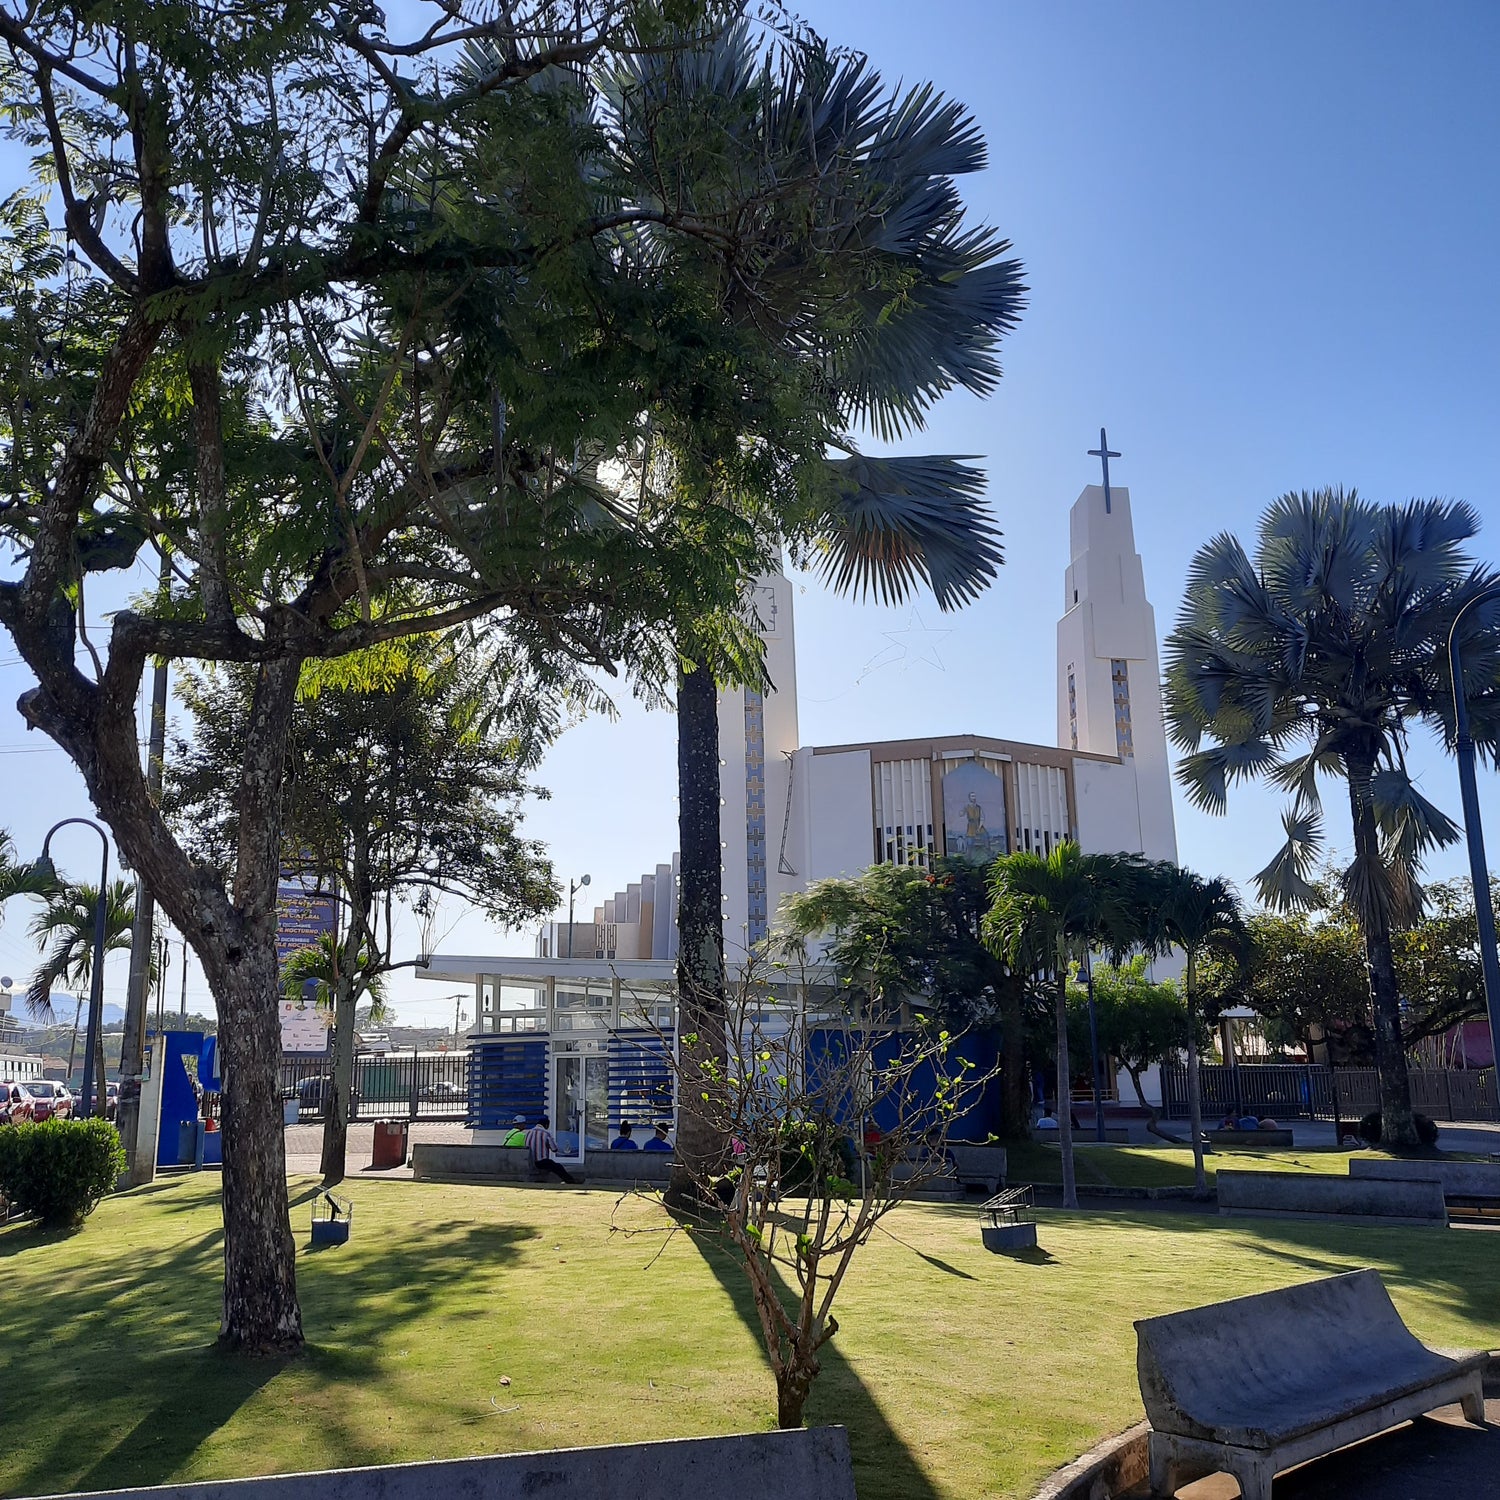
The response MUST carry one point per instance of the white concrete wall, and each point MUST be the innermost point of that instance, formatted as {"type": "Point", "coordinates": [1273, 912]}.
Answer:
{"type": "Point", "coordinates": [1107, 814]}
{"type": "Point", "coordinates": [839, 821]}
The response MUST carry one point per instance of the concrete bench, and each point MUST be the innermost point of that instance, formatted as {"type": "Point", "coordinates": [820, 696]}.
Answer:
{"type": "Point", "coordinates": [769, 1465]}
{"type": "Point", "coordinates": [1255, 1140]}
{"type": "Point", "coordinates": [979, 1166]}
{"type": "Point", "coordinates": [1472, 1185]}
{"type": "Point", "coordinates": [1256, 1385]}
{"type": "Point", "coordinates": [1315, 1195]}
{"type": "Point", "coordinates": [465, 1161]}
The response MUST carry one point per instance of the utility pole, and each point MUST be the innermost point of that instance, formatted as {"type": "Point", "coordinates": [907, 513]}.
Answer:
{"type": "Point", "coordinates": [133, 1043]}
{"type": "Point", "coordinates": [183, 1009]}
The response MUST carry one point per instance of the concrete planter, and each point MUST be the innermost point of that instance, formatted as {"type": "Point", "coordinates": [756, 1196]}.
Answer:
{"type": "Point", "coordinates": [1006, 1239]}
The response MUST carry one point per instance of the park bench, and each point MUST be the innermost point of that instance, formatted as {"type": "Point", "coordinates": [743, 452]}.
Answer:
{"type": "Point", "coordinates": [1318, 1195]}
{"type": "Point", "coordinates": [1258, 1384]}
{"type": "Point", "coordinates": [1471, 1189]}
{"type": "Point", "coordinates": [1254, 1140]}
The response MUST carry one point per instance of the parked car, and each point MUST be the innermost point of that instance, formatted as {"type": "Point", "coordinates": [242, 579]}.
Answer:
{"type": "Point", "coordinates": [49, 1101]}
{"type": "Point", "coordinates": [444, 1091]}
{"type": "Point", "coordinates": [17, 1104]}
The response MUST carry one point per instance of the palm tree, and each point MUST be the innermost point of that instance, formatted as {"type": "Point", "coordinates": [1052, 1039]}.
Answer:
{"type": "Point", "coordinates": [1314, 660]}
{"type": "Point", "coordinates": [1197, 916]}
{"type": "Point", "coordinates": [841, 245]}
{"type": "Point", "coordinates": [1048, 912]}
{"type": "Point", "coordinates": [339, 978]}
{"type": "Point", "coordinates": [17, 879]}
{"type": "Point", "coordinates": [67, 923]}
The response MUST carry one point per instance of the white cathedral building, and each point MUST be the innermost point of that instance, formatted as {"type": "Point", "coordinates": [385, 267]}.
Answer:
{"type": "Point", "coordinates": [550, 1026]}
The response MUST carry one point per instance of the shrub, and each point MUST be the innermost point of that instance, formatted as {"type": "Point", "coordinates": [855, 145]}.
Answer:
{"type": "Point", "coordinates": [1427, 1131]}
{"type": "Point", "coordinates": [59, 1170]}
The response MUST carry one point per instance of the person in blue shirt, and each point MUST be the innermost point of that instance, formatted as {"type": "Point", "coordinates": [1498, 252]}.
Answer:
{"type": "Point", "coordinates": [659, 1142]}
{"type": "Point", "coordinates": [622, 1142]}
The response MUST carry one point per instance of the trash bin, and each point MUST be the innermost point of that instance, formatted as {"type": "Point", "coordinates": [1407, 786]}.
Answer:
{"type": "Point", "coordinates": [390, 1145]}
{"type": "Point", "coordinates": [189, 1133]}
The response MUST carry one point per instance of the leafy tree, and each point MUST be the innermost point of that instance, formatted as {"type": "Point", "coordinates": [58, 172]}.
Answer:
{"type": "Point", "coordinates": [1437, 962]}
{"type": "Point", "coordinates": [901, 933]}
{"type": "Point", "coordinates": [1141, 1022]}
{"type": "Point", "coordinates": [832, 229]}
{"type": "Point", "coordinates": [401, 786]}
{"type": "Point", "coordinates": [1315, 659]}
{"type": "Point", "coordinates": [1048, 912]}
{"type": "Point", "coordinates": [801, 1186]}
{"type": "Point", "coordinates": [1303, 973]}
{"type": "Point", "coordinates": [67, 923]}
{"type": "Point", "coordinates": [358, 327]}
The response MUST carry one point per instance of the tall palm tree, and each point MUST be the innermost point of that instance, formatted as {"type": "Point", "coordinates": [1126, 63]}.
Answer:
{"type": "Point", "coordinates": [67, 923]}
{"type": "Point", "coordinates": [1314, 659]}
{"type": "Point", "coordinates": [837, 240]}
{"type": "Point", "coordinates": [1048, 912]}
{"type": "Point", "coordinates": [340, 975]}
{"type": "Point", "coordinates": [1196, 916]}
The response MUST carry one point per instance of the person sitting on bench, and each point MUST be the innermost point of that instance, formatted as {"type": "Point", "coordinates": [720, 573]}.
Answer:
{"type": "Point", "coordinates": [541, 1144]}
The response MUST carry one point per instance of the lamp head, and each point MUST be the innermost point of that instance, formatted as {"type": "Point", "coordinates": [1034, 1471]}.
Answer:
{"type": "Point", "coordinates": [584, 880]}
{"type": "Point", "coordinates": [43, 869]}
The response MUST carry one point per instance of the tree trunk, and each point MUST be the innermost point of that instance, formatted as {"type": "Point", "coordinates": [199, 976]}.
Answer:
{"type": "Point", "coordinates": [793, 1386]}
{"type": "Point", "coordinates": [1015, 1113]}
{"type": "Point", "coordinates": [99, 1104]}
{"type": "Point", "coordinates": [1195, 1099]}
{"type": "Point", "coordinates": [339, 1105]}
{"type": "Point", "coordinates": [1064, 1090]}
{"type": "Point", "coordinates": [700, 928]}
{"type": "Point", "coordinates": [1397, 1127]}
{"type": "Point", "coordinates": [260, 1310]}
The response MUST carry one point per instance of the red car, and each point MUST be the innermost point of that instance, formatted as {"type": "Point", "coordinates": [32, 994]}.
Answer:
{"type": "Point", "coordinates": [49, 1101]}
{"type": "Point", "coordinates": [16, 1103]}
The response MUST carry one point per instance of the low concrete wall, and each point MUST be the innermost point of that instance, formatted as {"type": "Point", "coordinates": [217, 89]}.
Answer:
{"type": "Point", "coordinates": [809, 1465]}
{"type": "Point", "coordinates": [432, 1160]}
{"type": "Point", "coordinates": [1263, 1140]}
{"type": "Point", "coordinates": [1459, 1179]}
{"type": "Point", "coordinates": [1314, 1195]}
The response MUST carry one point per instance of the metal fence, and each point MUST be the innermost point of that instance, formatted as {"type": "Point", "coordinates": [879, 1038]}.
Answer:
{"type": "Point", "coordinates": [387, 1085]}
{"type": "Point", "coordinates": [1298, 1091]}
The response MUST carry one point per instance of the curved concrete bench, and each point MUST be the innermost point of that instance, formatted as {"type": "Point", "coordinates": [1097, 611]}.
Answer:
{"type": "Point", "coordinates": [1257, 1384]}
{"type": "Point", "coordinates": [1263, 1140]}
{"type": "Point", "coordinates": [1475, 1180]}
{"type": "Point", "coordinates": [770, 1465]}
{"type": "Point", "coordinates": [1314, 1195]}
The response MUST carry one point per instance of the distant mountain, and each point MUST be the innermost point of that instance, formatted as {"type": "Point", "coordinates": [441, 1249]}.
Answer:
{"type": "Point", "coordinates": [62, 1009]}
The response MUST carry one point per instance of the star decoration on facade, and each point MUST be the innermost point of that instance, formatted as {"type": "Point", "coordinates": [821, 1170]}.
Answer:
{"type": "Point", "coordinates": [916, 643]}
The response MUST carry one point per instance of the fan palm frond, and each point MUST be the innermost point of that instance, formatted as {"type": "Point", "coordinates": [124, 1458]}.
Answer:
{"type": "Point", "coordinates": [1284, 884]}
{"type": "Point", "coordinates": [900, 521]}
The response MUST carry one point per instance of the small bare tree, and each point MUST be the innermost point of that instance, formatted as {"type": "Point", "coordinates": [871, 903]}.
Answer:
{"type": "Point", "coordinates": [829, 1116]}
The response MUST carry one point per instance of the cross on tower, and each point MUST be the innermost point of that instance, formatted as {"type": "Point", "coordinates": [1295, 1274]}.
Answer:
{"type": "Point", "coordinates": [1104, 453]}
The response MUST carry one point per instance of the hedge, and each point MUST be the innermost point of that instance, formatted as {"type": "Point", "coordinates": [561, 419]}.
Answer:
{"type": "Point", "coordinates": [60, 1169]}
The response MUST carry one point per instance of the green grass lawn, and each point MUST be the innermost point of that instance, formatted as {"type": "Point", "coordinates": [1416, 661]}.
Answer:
{"type": "Point", "coordinates": [1157, 1166]}
{"type": "Point", "coordinates": [958, 1373]}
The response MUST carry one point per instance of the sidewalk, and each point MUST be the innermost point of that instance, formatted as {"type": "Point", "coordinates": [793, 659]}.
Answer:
{"type": "Point", "coordinates": [304, 1147]}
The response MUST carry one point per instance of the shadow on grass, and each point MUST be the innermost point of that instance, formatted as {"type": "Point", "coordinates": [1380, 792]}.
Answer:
{"type": "Point", "coordinates": [135, 1383]}
{"type": "Point", "coordinates": [838, 1394]}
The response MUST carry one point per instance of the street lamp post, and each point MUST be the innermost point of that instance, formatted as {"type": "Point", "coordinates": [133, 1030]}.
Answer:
{"type": "Point", "coordinates": [574, 886]}
{"type": "Point", "coordinates": [45, 867]}
{"type": "Point", "coordinates": [1463, 749]}
{"type": "Point", "coordinates": [1088, 969]}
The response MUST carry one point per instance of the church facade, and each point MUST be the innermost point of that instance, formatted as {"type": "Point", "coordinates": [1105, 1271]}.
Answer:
{"type": "Point", "coordinates": [795, 813]}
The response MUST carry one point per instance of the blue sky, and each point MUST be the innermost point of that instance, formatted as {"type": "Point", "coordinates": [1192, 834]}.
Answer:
{"type": "Point", "coordinates": [1261, 243]}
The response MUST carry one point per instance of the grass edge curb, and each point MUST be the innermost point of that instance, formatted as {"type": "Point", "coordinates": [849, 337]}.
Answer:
{"type": "Point", "coordinates": [1117, 1464]}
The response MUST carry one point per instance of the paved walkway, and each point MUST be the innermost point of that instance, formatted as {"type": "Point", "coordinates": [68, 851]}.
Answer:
{"type": "Point", "coordinates": [1437, 1458]}
{"type": "Point", "coordinates": [304, 1147]}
